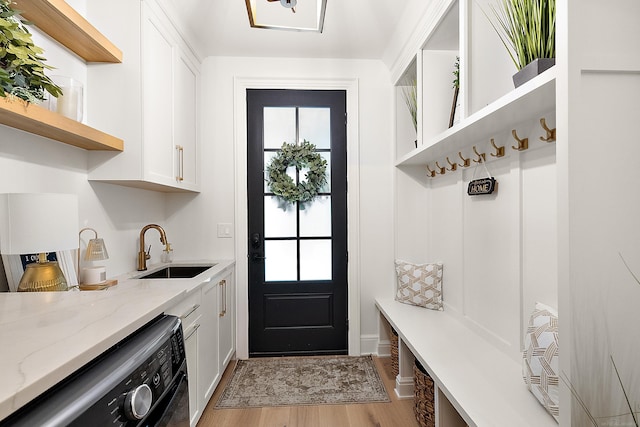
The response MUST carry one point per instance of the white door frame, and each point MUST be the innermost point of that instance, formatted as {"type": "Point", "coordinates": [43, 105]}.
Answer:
{"type": "Point", "coordinates": [353, 198]}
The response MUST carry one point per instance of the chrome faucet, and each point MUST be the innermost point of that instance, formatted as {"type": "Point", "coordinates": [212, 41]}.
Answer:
{"type": "Point", "coordinates": [144, 256]}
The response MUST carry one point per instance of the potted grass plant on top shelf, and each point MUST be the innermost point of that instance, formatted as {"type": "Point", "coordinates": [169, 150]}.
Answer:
{"type": "Point", "coordinates": [527, 28]}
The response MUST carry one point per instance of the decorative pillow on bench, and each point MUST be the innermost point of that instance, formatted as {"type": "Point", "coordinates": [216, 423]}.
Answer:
{"type": "Point", "coordinates": [540, 365]}
{"type": "Point", "coordinates": [419, 284]}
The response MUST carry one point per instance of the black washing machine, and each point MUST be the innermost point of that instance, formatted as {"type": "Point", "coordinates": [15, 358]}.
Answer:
{"type": "Point", "coordinates": [142, 381]}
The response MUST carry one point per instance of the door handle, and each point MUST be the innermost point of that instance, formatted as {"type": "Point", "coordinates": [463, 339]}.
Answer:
{"type": "Point", "coordinates": [256, 257]}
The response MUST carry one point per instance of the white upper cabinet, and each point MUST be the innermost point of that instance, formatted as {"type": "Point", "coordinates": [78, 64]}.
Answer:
{"type": "Point", "coordinates": [155, 94]}
{"type": "Point", "coordinates": [186, 122]}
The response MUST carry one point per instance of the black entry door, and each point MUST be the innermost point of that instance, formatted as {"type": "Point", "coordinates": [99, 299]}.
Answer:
{"type": "Point", "coordinates": [297, 251]}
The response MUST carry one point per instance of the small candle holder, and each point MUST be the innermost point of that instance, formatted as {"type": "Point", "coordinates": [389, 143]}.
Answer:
{"type": "Point", "coordinates": [70, 102]}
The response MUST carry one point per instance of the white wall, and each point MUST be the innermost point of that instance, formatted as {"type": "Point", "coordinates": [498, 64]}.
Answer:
{"type": "Point", "coordinates": [216, 202]}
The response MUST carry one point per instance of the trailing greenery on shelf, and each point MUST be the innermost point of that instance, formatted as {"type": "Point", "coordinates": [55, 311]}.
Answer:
{"type": "Point", "coordinates": [456, 90]}
{"type": "Point", "coordinates": [456, 73]}
{"type": "Point", "coordinates": [527, 28]}
{"type": "Point", "coordinates": [410, 95]}
{"type": "Point", "coordinates": [302, 157]}
{"type": "Point", "coordinates": [21, 63]}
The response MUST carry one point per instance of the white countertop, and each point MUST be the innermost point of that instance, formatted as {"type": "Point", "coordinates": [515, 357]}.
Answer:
{"type": "Point", "coordinates": [46, 336]}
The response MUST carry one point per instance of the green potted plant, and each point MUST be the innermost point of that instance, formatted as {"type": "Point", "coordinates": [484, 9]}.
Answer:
{"type": "Point", "coordinates": [21, 64]}
{"type": "Point", "coordinates": [410, 95]}
{"type": "Point", "coordinates": [527, 28]}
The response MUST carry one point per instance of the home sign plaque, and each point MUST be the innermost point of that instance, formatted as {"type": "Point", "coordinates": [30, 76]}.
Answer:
{"type": "Point", "coordinates": [482, 186]}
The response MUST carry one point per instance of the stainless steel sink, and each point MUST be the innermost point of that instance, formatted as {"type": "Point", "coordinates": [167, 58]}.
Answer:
{"type": "Point", "coordinates": [177, 272]}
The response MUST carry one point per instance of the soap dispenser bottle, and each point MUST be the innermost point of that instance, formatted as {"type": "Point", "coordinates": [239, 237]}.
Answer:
{"type": "Point", "coordinates": [167, 254]}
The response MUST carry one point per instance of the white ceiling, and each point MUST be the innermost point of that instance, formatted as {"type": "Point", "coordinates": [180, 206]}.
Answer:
{"type": "Point", "coordinates": [352, 29]}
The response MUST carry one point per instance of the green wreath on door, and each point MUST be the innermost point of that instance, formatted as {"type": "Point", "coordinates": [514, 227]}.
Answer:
{"type": "Point", "coordinates": [302, 156]}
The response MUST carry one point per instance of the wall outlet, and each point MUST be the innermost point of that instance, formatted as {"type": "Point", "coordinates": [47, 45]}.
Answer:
{"type": "Point", "coordinates": [225, 230]}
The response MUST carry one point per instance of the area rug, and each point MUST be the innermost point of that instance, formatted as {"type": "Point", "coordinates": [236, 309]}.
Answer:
{"type": "Point", "coordinates": [288, 381]}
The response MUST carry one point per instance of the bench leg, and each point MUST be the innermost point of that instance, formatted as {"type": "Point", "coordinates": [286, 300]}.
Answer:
{"type": "Point", "coordinates": [404, 380]}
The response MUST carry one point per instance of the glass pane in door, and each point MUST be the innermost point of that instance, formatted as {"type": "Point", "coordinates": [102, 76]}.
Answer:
{"type": "Point", "coordinates": [278, 222]}
{"type": "Point", "coordinates": [281, 260]}
{"type": "Point", "coordinates": [315, 126]}
{"type": "Point", "coordinates": [315, 218]}
{"type": "Point", "coordinates": [315, 259]}
{"type": "Point", "coordinates": [279, 126]}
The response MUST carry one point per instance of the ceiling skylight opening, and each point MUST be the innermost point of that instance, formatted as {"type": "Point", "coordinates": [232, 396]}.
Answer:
{"type": "Point", "coordinates": [292, 15]}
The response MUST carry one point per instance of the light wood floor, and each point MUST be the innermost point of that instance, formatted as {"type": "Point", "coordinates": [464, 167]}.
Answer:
{"type": "Point", "coordinates": [397, 413]}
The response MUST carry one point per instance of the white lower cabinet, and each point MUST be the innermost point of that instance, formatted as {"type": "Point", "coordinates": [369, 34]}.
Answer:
{"type": "Point", "coordinates": [208, 324]}
{"type": "Point", "coordinates": [189, 311]}
{"type": "Point", "coordinates": [226, 324]}
{"type": "Point", "coordinates": [191, 344]}
{"type": "Point", "coordinates": [208, 373]}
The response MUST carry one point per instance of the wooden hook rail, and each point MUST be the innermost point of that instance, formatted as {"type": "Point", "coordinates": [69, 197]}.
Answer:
{"type": "Point", "coordinates": [499, 150]}
{"type": "Point", "coordinates": [523, 144]}
{"type": "Point", "coordinates": [481, 156]}
{"type": "Point", "coordinates": [551, 133]}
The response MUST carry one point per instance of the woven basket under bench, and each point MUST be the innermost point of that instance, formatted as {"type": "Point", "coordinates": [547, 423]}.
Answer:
{"type": "Point", "coordinates": [395, 364]}
{"type": "Point", "coordinates": [423, 404]}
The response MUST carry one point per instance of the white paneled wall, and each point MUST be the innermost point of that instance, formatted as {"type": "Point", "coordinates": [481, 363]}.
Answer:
{"type": "Point", "coordinates": [490, 256]}
{"type": "Point", "coordinates": [499, 251]}
{"type": "Point", "coordinates": [599, 208]}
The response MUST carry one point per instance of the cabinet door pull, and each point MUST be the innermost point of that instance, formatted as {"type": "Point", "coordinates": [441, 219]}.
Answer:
{"type": "Point", "coordinates": [224, 298]}
{"type": "Point", "coordinates": [188, 312]}
{"type": "Point", "coordinates": [180, 176]}
{"type": "Point", "coordinates": [192, 331]}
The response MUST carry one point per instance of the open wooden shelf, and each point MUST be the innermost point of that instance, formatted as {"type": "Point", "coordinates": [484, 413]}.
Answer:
{"type": "Point", "coordinates": [37, 120]}
{"type": "Point", "coordinates": [534, 97]}
{"type": "Point", "coordinates": [69, 28]}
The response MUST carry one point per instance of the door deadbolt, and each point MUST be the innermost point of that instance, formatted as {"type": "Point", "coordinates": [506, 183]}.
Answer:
{"type": "Point", "coordinates": [256, 241]}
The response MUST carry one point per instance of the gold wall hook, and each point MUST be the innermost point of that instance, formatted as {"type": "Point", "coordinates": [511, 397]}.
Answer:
{"type": "Point", "coordinates": [465, 162]}
{"type": "Point", "coordinates": [551, 133]}
{"type": "Point", "coordinates": [440, 170]}
{"type": "Point", "coordinates": [430, 173]}
{"type": "Point", "coordinates": [523, 144]}
{"type": "Point", "coordinates": [453, 166]}
{"type": "Point", "coordinates": [481, 156]}
{"type": "Point", "coordinates": [499, 150]}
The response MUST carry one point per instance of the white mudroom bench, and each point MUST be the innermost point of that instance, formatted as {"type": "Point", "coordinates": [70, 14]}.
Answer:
{"type": "Point", "coordinates": [475, 383]}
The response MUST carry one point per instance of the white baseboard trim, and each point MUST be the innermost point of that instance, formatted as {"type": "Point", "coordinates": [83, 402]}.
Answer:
{"type": "Point", "coordinates": [384, 348]}
{"type": "Point", "coordinates": [404, 387]}
{"type": "Point", "coordinates": [369, 344]}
